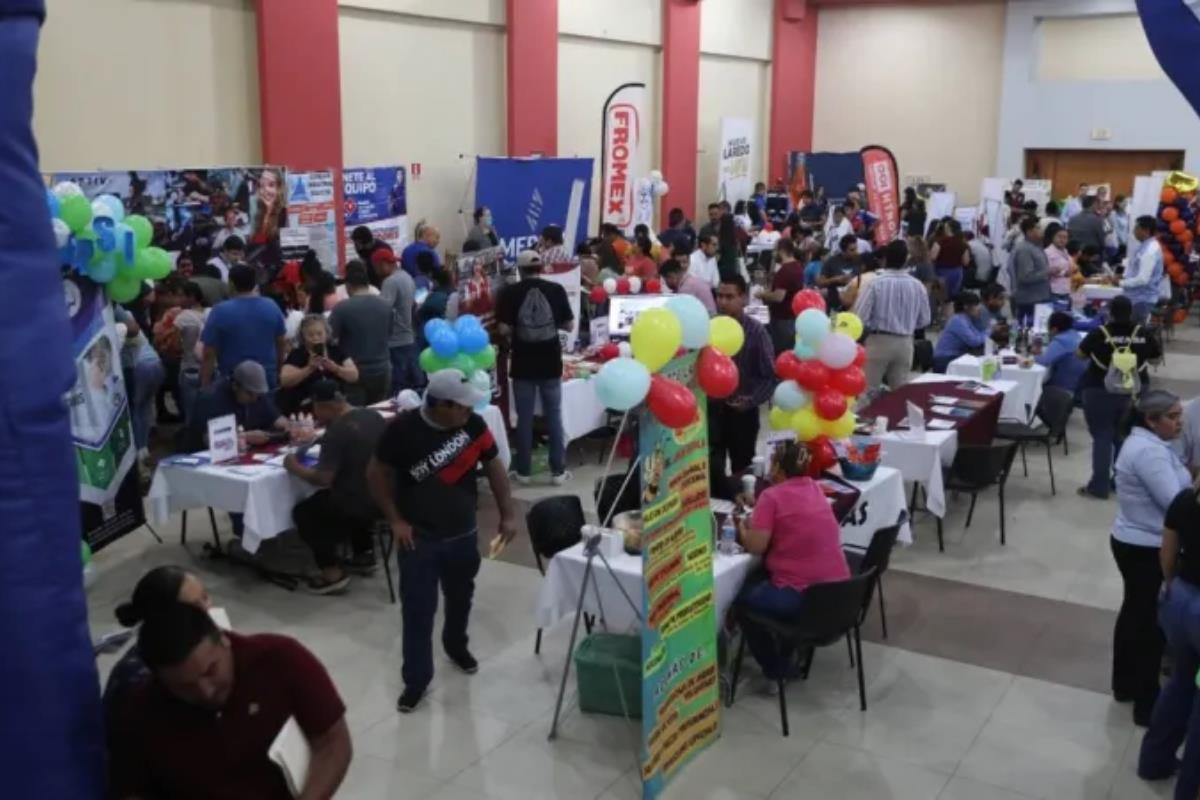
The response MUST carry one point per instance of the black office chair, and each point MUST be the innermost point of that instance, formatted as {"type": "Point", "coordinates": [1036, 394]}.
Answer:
{"type": "Point", "coordinates": [1054, 411]}
{"type": "Point", "coordinates": [876, 557]}
{"type": "Point", "coordinates": [976, 468]}
{"type": "Point", "coordinates": [607, 498]}
{"type": "Point", "coordinates": [554, 523]}
{"type": "Point", "coordinates": [386, 544]}
{"type": "Point", "coordinates": [830, 612]}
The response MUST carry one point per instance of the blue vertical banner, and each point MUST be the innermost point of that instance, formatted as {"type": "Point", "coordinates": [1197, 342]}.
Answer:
{"type": "Point", "coordinates": [378, 198]}
{"type": "Point", "coordinates": [1173, 30]}
{"type": "Point", "coordinates": [527, 194]}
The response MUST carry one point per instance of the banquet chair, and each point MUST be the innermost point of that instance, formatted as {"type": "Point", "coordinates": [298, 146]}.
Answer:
{"type": "Point", "coordinates": [1054, 409]}
{"type": "Point", "coordinates": [554, 524]}
{"type": "Point", "coordinates": [877, 556]}
{"type": "Point", "coordinates": [976, 468]}
{"type": "Point", "coordinates": [385, 544]}
{"type": "Point", "coordinates": [607, 499]}
{"type": "Point", "coordinates": [830, 612]}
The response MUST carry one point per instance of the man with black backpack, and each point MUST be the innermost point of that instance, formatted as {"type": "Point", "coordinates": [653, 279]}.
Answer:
{"type": "Point", "coordinates": [1117, 353]}
{"type": "Point", "coordinates": [531, 313]}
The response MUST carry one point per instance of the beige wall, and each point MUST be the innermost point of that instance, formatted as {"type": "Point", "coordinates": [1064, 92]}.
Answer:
{"type": "Point", "coordinates": [729, 87]}
{"type": "Point", "coordinates": [923, 81]}
{"type": "Point", "coordinates": [487, 12]}
{"type": "Point", "coordinates": [637, 21]}
{"type": "Point", "coordinates": [1104, 48]}
{"type": "Point", "coordinates": [427, 91]}
{"type": "Point", "coordinates": [737, 28]}
{"type": "Point", "coordinates": [137, 84]}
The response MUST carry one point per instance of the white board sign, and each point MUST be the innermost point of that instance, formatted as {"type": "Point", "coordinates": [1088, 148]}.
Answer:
{"type": "Point", "coordinates": [222, 439]}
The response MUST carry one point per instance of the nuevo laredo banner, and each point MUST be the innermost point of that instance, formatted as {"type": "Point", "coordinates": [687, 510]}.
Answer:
{"type": "Point", "coordinates": [680, 688]}
{"type": "Point", "coordinates": [527, 194]}
{"type": "Point", "coordinates": [737, 159]}
{"type": "Point", "coordinates": [883, 192]}
{"type": "Point", "coordinates": [378, 198]}
{"type": "Point", "coordinates": [623, 159]}
{"type": "Point", "coordinates": [101, 430]}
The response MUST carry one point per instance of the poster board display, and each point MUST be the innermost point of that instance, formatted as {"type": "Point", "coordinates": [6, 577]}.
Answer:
{"type": "Point", "coordinates": [527, 194]}
{"type": "Point", "coordinates": [735, 180]}
{"type": "Point", "coordinates": [376, 197]}
{"type": "Point", "coordinates": [311, 218]}
{"type": "Point", "coordinates": [681, 707]}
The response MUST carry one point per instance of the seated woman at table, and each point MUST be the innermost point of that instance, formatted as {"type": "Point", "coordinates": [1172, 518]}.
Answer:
{"type": "Point", "coordinates": [794, 529]}
{"type": "Point", "coordinates": [1064, 368]}
{"type": "Point", "coordinates": [316, 359]}
{"type": "Point", "coordinates": [964, 334]}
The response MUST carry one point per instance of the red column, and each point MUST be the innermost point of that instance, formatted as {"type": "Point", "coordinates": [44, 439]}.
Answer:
{"type": "Point", "coordinates": [532, 89]}
{"type": "Point", "coordinates": [299, 88]}
{"type": "Point", "coordinates": [680, 102]}
{"type": "Point", "coordinates": [793, 82]}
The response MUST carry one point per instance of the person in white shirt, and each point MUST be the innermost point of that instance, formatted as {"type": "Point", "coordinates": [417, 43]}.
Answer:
{"type": "Point", "coordinates": [233, 252]}
{"type": "Point", "coordinates": [837, 227]}
{"type": "Point", "coordinates": [1143, 279]}
{"type": "Point", "coordinates": [235, 225]}
{"type": "Point", "coordinates": [1075, 204]}
{"type": "Point", "coordinates": [703, 261]}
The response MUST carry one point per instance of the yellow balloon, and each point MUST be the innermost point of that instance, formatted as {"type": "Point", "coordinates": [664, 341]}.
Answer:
{"type": "Point", "coordinates": [655, 337]}
{"type": "Point", "coordinates": [806, 423]}
{"type": "Point", "coordinates": [841, 428]}
{"type": "Point", "coordinates": [849, 324]}
{"type": "Point", "coordinates": [726, 334]}
{"type": "Point", "coordinates": [779, 420]}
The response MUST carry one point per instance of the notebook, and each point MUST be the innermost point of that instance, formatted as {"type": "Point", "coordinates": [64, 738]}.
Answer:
{"type": "Point", "coordinates": [291, 753]}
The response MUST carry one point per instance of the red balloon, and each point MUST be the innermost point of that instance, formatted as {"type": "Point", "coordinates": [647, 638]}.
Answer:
{"type": "Point", "coordinates": [1170, 214]}
{"type": "Point", "coordinates": [808, 298]}
{"type": "Point", "coordinates": [829, 404]}
{"type": "Point", "coordinates": [598, 295]}
{"type": "Point", "coordinates": [821, 456]}
{"type": "Point", "coordinates": [672, 403]}
{"type": "Point", "coordinates": [716, 373]}
{"type": "Point", "coordinates": [622, 285]}
{"type": "Point", "coordinates": [1178, 227]}
{"type": "Point", "coordinates": [860, 357]}
{"type": "Point", "coordinates": [609, 351]}
{"type": "Point", "coordinates": [652, 285]}
{"type": "Point", "coordinates": [849, 381]}
{"type": "Point", "coordinates": [786, 365]}
{"type": "Point", "coordinates": [812, 375]}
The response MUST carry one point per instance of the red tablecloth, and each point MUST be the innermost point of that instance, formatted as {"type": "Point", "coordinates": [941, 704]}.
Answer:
{"type": "Point", "coordinates": [978, 429]}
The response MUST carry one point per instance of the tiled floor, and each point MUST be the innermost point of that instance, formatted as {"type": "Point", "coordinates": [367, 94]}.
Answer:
{"type": "Point", "coordinates": [990, 687]}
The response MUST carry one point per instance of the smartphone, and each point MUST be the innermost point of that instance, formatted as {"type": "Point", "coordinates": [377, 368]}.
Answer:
{"type": "Point", "coordinates": [319, 349]}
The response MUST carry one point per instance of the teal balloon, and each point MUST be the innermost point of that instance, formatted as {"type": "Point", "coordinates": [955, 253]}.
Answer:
{"type": "Point", "coordinates": [110, 205]}
{"type": "Point", "coordinates": [143, 231]}
{"type": "Point", "coordinates": [812, 326]}
{"type": "Point", "coordinates": [693, 320]}
{"type": "Point", "coordinates": [623, 383]}
{"type": "Point", "coordinates": [430, 361]}
{"type": "Point", "coordinates": [76, 211]}
{"type": "Point", "coordinates": [103, 270]}
{"type": "Point", "coordinates": [125, 244]}
{"type": "Point", "coordinates": [804, 351]}
{"type": "Point", "coordinates": [485, 358]}
{"type": "Point", "coordinates": [789, 396]}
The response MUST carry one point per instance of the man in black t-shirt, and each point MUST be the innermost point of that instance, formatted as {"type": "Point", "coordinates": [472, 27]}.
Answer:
{"type": "Point", "coordinates": [532, 313]}
{"type": "Point", "coordinates": [422, 478]}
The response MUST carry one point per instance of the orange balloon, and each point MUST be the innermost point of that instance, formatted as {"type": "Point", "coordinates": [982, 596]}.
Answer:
{"type": "Point", "coordinates": [1174, 269]}
{"type": "Point", "coordinates": [1187, 236]}
{"type": "Point", "coordinates": [1168, 257]}
{"type": "Point", "coordinates": [1169, 195]}
{"type": "Point", "coordinates": [1180, 316]}
{"type": "Point", "coordinates": [1170, 214]}
{"type": "Point", "coordinates": [621, 248]}
{"type": "Point", "coordinates": [1178, 227]}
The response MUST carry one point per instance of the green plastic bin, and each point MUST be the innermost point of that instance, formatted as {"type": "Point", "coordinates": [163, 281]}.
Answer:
{"type": "Point", "coordinates": [608, 668]}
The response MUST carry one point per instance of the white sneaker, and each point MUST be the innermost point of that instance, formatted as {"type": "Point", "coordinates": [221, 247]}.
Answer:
{"type": "Point", "coordinates": [561, 478]}
{"type": "Point", "coordinates": [524, 480]}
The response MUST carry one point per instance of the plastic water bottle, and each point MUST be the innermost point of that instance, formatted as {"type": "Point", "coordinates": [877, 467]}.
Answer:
{"type": "Point", "coordinates": [241, 434]}
{"type": "Point", "coordinates": [728, 543]}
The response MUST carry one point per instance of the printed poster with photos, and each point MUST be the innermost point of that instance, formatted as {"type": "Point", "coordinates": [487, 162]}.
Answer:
{"type": "Point", "coordinates": [680, 688]}
{"type": "Point", "coordinates": [376, 197]}
{"type": "Point", "coordinates": [311, 218]}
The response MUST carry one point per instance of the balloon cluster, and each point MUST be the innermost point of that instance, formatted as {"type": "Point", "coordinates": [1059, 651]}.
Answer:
{"type": "Point", "coordinates": [822, 376]}
{"type": "Point", "coordinates": [658, 335]}
{"type": "Point", "coordinates": [98, 240]}
{"type": "Point", "coordinates": [463, 346]}
{"type": "Point", "coordinates": [1177, 228]}
{"type": "Point", "coordinates": [627, 285]}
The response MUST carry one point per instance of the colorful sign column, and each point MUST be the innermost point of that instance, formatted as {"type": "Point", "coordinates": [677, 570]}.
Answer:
{"type": "Point", "coordinates": [680, 688]}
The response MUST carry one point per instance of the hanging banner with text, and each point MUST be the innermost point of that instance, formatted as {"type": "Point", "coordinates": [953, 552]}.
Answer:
{"type": "Point", "coordinates": [623, 159]}
{"type": "Point", "coordinates": [680, 689]}
{"type": "Point", "coordinates": [527, 194]}
{"type": "Point", "coordinates": [883, 192]}
{"type": "Point", "coordinates": [311, 219]}
{"type": "Point", "coordinates": [735, 180]}
{"type": "Point", "coordinates": [110, 499]}
{"type": "Point", "coordinates": [376, 197]}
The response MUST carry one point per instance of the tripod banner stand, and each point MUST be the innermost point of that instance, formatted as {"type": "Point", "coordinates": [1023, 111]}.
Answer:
{"type": "Point", "coordinates": [680, 689]}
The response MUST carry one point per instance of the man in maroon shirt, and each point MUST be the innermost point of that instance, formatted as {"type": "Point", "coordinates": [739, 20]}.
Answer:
{"type": "Point", "coordinates": [201, 725]}
{"type": "Point", "coordinates": [785, 283]}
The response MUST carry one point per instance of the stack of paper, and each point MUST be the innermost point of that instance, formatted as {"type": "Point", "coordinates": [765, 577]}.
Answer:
{"type": "Point", "coordinates": [290, 751]}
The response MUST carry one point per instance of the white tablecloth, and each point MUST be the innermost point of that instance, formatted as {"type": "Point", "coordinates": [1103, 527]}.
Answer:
{"type": "Point", "coordinates": [265, 494]}
{"type": "Point", "coordinates": [582, 411]}
{"type": "Point", "coordinates": [920, 457]}
{"type": "Point", "coordinates": [1012, 405]}
{"type": "Point", "coordinates": [879, 506]}
{"type": "Point", "coordinates": [1104, 293]}
{"type": "Point", "coordinates": [1028, 383]}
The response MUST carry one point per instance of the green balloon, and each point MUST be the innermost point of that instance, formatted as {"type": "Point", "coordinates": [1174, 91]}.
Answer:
{"type": "Point", "coordinates": [143, 231]}
{"type": "Point", "coordinates": [123, 288]}
{"type": "Point", "coordinates": [463, 363]}
{"type": "Point", "coordinates": [76, 211]}
{"type": "Point", "coordinates": [152, 263]}
{"type": "Point", "coordinates": [431, 361]}
{"type": "Point", "coordinates": [485, 358]}
{"type": "Point", "coordinates": [85, 553]}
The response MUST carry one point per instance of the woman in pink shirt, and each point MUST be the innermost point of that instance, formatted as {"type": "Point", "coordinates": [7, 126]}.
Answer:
{"type": "Point", "coordinates": [639, 261]}
{"type": "Point", "coordinates": [1060, 262]}
{"type": "Point", "coordinates": [794, 529]}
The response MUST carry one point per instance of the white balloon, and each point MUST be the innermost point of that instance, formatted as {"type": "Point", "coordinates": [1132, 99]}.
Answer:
{"type": "Point", "coordinates": [837, 351]}
{"type": "Point", "coordinates": [62, 233]}
{"type": "Point", "coordinates": [408, 400]}
{"type": "Point", "coordinates": [610, 285]}
{"type": "Point", "coordinates": [661, 188]}
{"type": "Point", "coordinates": [625, 350]}
{"type": "Point", "coordinates": [635, 284]}
{"type": "Point", "coordinates": [66, 189]}
{"type": "Point", "coordinates": [655, 176]}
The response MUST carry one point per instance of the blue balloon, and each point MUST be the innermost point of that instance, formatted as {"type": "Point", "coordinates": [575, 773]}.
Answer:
{"type": "Point", "coordinates": [693, 319]}
{"type": "Point", "coordinates": [471, 339]}
{"type": "Point", "coordinates": [104, 270]}
{"type": "Point", "coordinates": [804, 351]}
{"type": "Point", "coordinates": [465, 322]}
{"type": "Point", "coordinates": [622, 383]}
{"type": "Point", "coordinates": [812, 326]}
{"type": "Point", "coordinates": [435, 324]}
{"type": "Point", "coordinates": [789, 396]}
{"type": "Point", "coordinates": [444, 342]}
{"type": "Point", "coordinates": [52, 203]}
{"type": "Point", "coordinates": [125, 243]}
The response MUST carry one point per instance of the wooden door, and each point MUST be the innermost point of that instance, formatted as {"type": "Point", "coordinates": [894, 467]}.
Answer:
{"type": "Point", "coordinates": [1066, 169]}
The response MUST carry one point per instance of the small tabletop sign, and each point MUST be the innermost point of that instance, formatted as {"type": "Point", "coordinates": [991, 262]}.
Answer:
{"type": "Point", "coordinates": [222, 439]}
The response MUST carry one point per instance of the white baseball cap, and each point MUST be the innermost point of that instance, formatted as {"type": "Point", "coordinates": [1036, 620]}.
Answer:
{"type": "Point", "coordinates": [453, 385]}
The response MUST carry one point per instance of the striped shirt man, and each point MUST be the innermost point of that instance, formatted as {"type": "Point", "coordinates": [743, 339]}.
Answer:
{"type": "Point", "coordinates": [892, 307]}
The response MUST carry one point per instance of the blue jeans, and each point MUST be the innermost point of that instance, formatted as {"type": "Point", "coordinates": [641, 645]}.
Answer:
{"type": "Point", "coordinates": [1177, 714]}
{"type": "Point", "coordinates": [406, 370]}
{"type": "Point", "coordinates": [147, 378]}
{"type": "Point", "coordinates": [770, 600]}
{"type": "Point", "coordinates": [1103, 412]}
{"type": "Point", "coordinates": [452, 562]}
{"type": "Point", "coordinates": [526, 393]}
{"type": "Point", "coordinates": [189, 387]}
{"type": "Point", "coordinates": [1141, 312]}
